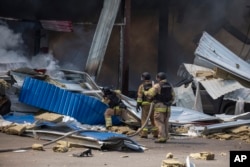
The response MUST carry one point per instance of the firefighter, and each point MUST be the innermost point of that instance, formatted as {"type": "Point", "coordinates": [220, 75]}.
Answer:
{"type": "Point", "coordinates": [163, 95]}
{"type": "Point", "coordinates": [5, 105]}
{"type": "Point", "coordinates": [143, 104]}
{"type": "Point", "coordinates": [115, 106]}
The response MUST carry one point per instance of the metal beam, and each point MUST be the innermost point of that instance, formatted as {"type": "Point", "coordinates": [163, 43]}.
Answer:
{"type": "Point", "coordinates": [101, 37]}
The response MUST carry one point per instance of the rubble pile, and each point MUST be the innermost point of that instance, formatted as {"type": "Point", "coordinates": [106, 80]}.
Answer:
{"type": "Point", "coordinates": [15, 128]}
{"type": "Point", "coordinates": [241, 133]}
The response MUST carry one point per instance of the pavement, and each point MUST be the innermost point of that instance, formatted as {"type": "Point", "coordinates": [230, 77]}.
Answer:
{"type": "Point", "coordinates": [180, 147]}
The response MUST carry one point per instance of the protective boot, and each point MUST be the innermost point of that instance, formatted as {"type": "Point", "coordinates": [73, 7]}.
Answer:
{"type": "Point", "coordinates": [144, 133]}
{"type": "Point", "coordinates": [161, 140]}
{"type": "Point", "coordinates": [155, 132]}
{"type": "Point", "coordinates": [108, 123]}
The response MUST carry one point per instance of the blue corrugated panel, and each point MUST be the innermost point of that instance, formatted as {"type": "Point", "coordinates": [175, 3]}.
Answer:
{"type": "Point", "coordinates": [21, 119]}
{"type": "Point", "coordinates": [102, 135]}
{"type": "Point", "coordinates": [85, 109]}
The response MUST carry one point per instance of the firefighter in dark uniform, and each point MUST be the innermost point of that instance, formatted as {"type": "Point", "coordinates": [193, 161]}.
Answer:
{"type": "Point", "coordinates": [143, 104]}
{"type": "Point", "coordinates": [163, 95]}
{"type": "Point", "coordinates": [5, 105]}
{"type": "Point", "coordinates": [115, 106]}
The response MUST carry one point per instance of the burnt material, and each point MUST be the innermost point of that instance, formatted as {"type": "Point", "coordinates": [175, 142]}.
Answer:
{"type": "Point", "coordinates": [85, 153]}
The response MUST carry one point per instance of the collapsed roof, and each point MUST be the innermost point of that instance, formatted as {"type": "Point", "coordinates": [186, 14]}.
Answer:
{"type": "Point", "coordinates": [218, 69]}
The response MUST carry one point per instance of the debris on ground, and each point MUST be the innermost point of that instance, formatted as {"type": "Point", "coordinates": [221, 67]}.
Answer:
{"type": "Point", "coordinates": [122, 130]}
{"type": "Point", "coordinates": [50, 117]}
{"type": "Point", "coordinates": [241, 133]}
{"type": "Point", "coordinates": [38, 147]}
{"type": "Point", "coordinates": [85, 153]}
{"type": "Point", "coordinates": [60, 148]}
{"type": "Point", "coordinates": [203, 155]}
{"type": "Point", "coordinates": [172, 162]}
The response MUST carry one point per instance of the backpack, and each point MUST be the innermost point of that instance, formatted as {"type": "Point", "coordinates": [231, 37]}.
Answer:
{"type": "Point", "coordinates": [166, 94]}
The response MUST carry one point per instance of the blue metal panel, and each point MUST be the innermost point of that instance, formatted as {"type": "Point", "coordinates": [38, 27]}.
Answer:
{"type": "Point", "coordinates": [85, 109]}
{"type": "Point", "coordinates": [102, 135]}
{"type": "Point", "coordinates": [21, 119]}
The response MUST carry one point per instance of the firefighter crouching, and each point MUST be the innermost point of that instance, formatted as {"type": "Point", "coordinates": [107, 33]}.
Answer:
{"type": "Point", "coordinates": [163, 95]}
{"type": "Point", "coordinates": [115, 106]}
{"type": "Point", "coordinates": [143, 104]}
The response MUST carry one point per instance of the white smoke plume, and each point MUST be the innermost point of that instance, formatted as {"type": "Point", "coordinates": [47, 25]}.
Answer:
{"type": "Point", "coordinates": [12, 57]}
{"type": "Point", "coordinates": [9, 46]}
{"type": "Point", "coordinates": [48, 62]}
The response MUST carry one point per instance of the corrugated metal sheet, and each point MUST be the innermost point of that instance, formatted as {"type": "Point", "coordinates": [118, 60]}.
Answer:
{"type": "Point", "coordinates": [85, 109]}
{"type": "Point", "coordinates": [102, 135]}
{"type": "Point", "coordinates": [221, 126]}
{"type": "Point", "coordinates": [239, 94]}
{"type": "Point", "coordinates": [185, 97]}
{"type": "Point", "coordinates": [181, 115]}
{"type": "Point", "coordinates": [20, 119]}
{"type": "Point", "coordinates": [212, 51]}
{"type": "Point", "coordinates": [219, 87]}
{"type": "Point", "coordinates": [89, 138]}
{"type": "Point", "coordinates": [215, 87]}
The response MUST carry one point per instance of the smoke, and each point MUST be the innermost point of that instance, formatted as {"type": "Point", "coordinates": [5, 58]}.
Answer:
{"type": "Point", "coordinates": [48, 62]}
{"type": "Point", "coordinates": [12, 57]}
{"type": "Point", "coordinates": [10, 45]}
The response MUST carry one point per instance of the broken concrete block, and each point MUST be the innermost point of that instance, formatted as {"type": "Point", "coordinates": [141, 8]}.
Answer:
{"type": "Point", "coordinates": [5, 127]}
{"type": "Point", "coordinates": [60, 148]}
{"type": "Point", "coordinates": [38, 147]}
{"type": "Point", "coordinates": [225, 136]}
{"type": "Point", "coordinates": [202, 155]}
{"type": "Point", "coordinates": [50, 117]}
{"type": "Point", "coordinates": [122, 130]}
{"type": "Point", "coordinates": [172, 163]}
{"type": "Point", "coordinates": [241, 129]}
{"type": "Point", "coordinates": [69, 144]}
{"type": "Point", "coordinates": [169, 155]}
{"type": "Point", "coordinates": [15, 130]}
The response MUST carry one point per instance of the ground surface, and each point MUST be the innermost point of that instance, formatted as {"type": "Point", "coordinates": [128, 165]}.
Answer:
{"type": "Point", "coordinates": [152, 157]}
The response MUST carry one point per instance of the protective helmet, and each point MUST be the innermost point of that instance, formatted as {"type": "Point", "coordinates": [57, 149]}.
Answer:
{"type": "Point", "coordinates": [145, 76]}
{"type": "Point", "coordinates": [106, 90]}
{"type": "Point", "coordinates": [161, 76]}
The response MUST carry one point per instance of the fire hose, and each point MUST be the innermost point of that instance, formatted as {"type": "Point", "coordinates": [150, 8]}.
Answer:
{"type": "Point", "coordinates": [145, 123]}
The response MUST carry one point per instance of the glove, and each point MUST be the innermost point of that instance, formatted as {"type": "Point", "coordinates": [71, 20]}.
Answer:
{"type": "Point", "coordinates": [138, 107]}
{"type": "Point", "coordinates": [121, 105]}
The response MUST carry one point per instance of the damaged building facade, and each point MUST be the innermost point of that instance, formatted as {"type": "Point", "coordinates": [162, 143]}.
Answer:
{"type": "Point", "coordinates": [149, 33]}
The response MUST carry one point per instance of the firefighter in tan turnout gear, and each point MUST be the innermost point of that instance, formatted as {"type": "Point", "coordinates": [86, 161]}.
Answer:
{"type": "Point", "coordinates": [163, 95]}
{"type": "Point", "coordinates": [115, 106]}
{"type": "Point", "coordinates": [143, 104]}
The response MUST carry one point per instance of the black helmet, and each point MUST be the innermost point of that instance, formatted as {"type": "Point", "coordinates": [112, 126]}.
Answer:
{"type": "Point", "coordinates": [106, 90]}
{"type": "Point", "coordinates": [145, 76]}
{"type": "Point", "coordinates": [161, 76]}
